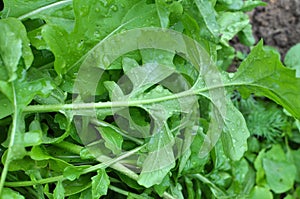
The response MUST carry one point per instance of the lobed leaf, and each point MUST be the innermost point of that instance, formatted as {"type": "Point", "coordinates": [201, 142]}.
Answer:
{"type": "Point", "coordinates": [9, 193]}
{"type": "Point", "coordinates": [18, 47]}
{"type": "Point", "coordinates": [263, 74]}
{"type": "Point", "coordinates": [160, 159]}
{"type": "Point", "coordinates": [235, 133]}
{"type": "Point", "coordinates": [207, 12]}
{"type": "Point", "coordinates": [59, 191]}
{"type": "Point", "coordinates": [100, 184]}
{"type": "Point", "coordinates": [86, 33]}
{"type": "Point", "coordinates": [112, 139]}
{"type": "Point", "coordinates": [231, 23]}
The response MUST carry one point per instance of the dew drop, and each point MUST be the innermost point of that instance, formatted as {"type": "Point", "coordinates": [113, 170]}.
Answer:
{"type": "Point", "coordinates": [80, 45]}
{"type": "Point", "coordinates": [84, 11]}
{"type": "Point", "coordinates": [231, 75]}
{"type": "Point", "coordinates": [114, 8]}
{"type": "Point", "coordinates": [214, 81]}
{"type": "Point", "coordinates": [104, 2]}
{"type": "Point", "coordinates": [234, 141]}
{"type": "Point", "coordinates": [96, 34]}
{"type": "Point", "coordinates": [39, 37]}
{"type": "Point", "coordinates": [105, 61]}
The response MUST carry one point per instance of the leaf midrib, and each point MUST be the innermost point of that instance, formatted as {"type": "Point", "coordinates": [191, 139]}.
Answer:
{"type": "Point", "coordinates": [47, 7]}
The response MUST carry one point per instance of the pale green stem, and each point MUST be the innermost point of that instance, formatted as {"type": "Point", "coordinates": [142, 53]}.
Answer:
{"type": "Point", "coordinates": [109, 162]}
{"type": "Point", "coordinates": [101, 105]}
{"type": "Point", "coordinates": [208, 182]}
{"type": "Point", "coordinates": [125, 193]}
{"type": "Point", "coordinates": [104, 124]}
{"type": "Point", "coordinates": [11, 142]}
{"type": "Point", "coordinates": [129, 103]}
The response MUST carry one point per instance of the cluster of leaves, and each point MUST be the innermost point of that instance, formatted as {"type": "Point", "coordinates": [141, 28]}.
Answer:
{"type": "Point", "coordinates": [53, 148]}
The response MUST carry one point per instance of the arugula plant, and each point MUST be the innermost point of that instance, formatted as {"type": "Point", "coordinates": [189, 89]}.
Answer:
{"type": "Point", "coordinates": [66, 133]}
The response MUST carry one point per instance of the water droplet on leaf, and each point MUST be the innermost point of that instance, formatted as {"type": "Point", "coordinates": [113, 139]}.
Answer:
{"type": "Point", "coordinates": [114, 8]}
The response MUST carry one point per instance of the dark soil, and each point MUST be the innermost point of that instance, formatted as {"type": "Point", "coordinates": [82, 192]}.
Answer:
{"type": "Point", "coordinates": [278, 24]}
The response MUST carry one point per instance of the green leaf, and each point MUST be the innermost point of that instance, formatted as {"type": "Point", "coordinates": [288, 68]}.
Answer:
{"type": "Point", "coordinates": [58, 13]}
{"type": "Point", "coordinates": [157, 56]}
{"type": "Point", "coordinates": [292, 59]}
{"type": "Point", "coordinates": [231, 23]}
{"type": "Point", "coordinates": [59, 191]}
{"type": "Point", "coordinates": [86, 194]}
{"type": "Point", "coordinates": [296, 160]}
{"type": "Point", "coordinates": [276, 153]}
{"type": "Point", "coordinates": [225, 57]}
{"type": "Point", "coordinates": [176, 190]}
{"type": "Point", "coordinates": [289, 197]}
{"type": "Point", "coordinates": [24, 164]}
{"type": "Point", "coordinates": [20, 93]}
{"type": "Point", "coordinates": [234, 131]}
{"type": "Point", "coordinates": [235, 135]}
{"type": "Point", "coordinates": [263, 74]}
{"type": "Point", "coordinates": [72, 172]}
{"type": "Point", "coordinates": [130, 182]}
{"type": "Point", "coordinates": [223, 179]}
{"type": "Point", "coordinates": [100, 184]}
{"type": "Point", "coordinates": [39, 153]}
{"type": "Point", "coordinates": [5, 106]}
{"type": "Point", "coordinates": [113, 140]}
{"type": "Point", "coordinates": [18, 46]}
{"type": "Point", "coordinates": [36, 39]}
{"type": "Point", "coordinates": [274, 170]}
{"type": "Point", "coordinates": [15, 141]}
{"type": "Point", "coordinates": [26, 90]}
{"type": "Point", "coordinates": [190, 188]}
{"type": "Point", "coordinates": [155, 74]}
{"type": "Point", "coordinates": [160, 159]}
{"type": "Point", "coordinates": [159, 111]}
{"type": "Point", "coordinates": [260, 192]}
{"type": "Point", "coordinates": [32, 138]}
{"type": "Point", "coordinates": [260, 172]}
{"type": "Point", "coordinates": [243, 178]}
{"type": "Point", "coordinates": [280, 175]}
{"type": "Point", "coordinates": [195, 164]}
{"type": "Point", "coordinates": [163, 13]}
{"type": "Point", "coordinates": [208, 15]}
{"type": "Point", "coordinates": [163, 186]}
{"type": "Point", "coordinates": [11, 194]}
{"type": "Point", "coordinates": [57, 96]}
{"type": "Point", "coordinates": [15, 145]}
{"type": "Point", "coordinates": [250, 5]}
{"type": "Point", "coordinates": [17, 8]}
{"type": "Point", "coordinates": [80, 185]}
{"type": "Point", "coordinates": [229, 4]}
{"type": "Point", "coordinates": [163, 110]}
{"type": "Point", "coordinates": [109, 17]}
{"type": "Point", "coordinates": [246, 36]}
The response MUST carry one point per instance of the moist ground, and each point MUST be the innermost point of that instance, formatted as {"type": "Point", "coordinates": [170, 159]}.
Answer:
{"type": "Point", "coordinates": [278, 24]}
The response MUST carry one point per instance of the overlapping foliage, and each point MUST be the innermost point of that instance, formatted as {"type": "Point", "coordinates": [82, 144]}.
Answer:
{"type": "Point", "coordinates": [52, 148]}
